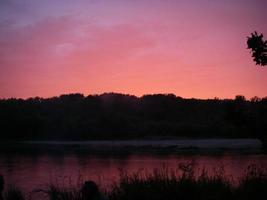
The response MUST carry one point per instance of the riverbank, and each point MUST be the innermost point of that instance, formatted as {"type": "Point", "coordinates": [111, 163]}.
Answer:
{"type": "Point", "coordinates": [174, 145]}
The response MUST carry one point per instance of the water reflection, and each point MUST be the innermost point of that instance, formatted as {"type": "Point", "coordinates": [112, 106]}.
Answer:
{"type": "Point", "coordinates": [35, 170]}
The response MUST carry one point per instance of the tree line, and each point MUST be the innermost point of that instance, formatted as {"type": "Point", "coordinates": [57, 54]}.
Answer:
{"type": "Point", "coordinates": [120, 116]}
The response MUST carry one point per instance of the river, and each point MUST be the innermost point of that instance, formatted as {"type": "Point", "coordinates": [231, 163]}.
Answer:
{"type": "Point", "coordinates": [31, 170]}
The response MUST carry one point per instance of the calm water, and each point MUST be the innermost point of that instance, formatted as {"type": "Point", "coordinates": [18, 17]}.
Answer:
{"type": "Point", "coordinates": [35, 170]}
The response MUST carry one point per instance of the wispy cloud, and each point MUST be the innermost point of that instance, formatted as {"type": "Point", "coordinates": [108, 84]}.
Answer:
{"type": "Point", "coordinates": [50, 47]}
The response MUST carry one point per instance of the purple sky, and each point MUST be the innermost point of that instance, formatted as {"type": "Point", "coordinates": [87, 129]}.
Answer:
{"type": "Point", "coordinates": [190, 48]}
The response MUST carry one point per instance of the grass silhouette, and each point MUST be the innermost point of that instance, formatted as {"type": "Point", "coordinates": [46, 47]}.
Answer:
{"type": "Point", "coordinates": [183, 183]}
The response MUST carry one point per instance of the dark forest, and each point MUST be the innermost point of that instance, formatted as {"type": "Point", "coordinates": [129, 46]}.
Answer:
{"type": "Point", "coordinates": [119, 116]}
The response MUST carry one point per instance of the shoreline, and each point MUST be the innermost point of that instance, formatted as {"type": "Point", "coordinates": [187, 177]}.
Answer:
{"type": "Point", "coordinates": [173, 145]}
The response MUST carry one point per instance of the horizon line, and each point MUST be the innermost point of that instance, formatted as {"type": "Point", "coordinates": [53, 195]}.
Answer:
{"type": "Point", "coordinates": [128, 94]}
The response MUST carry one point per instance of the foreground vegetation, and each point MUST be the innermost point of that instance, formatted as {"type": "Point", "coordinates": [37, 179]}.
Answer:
{"type": "Point", "coordinates": [165, 184]}
{"type": "Point", "coordinates": [115, 116]}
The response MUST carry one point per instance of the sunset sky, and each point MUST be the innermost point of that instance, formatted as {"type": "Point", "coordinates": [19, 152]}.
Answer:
{"type": "Point", "coordinates": [189, 48]}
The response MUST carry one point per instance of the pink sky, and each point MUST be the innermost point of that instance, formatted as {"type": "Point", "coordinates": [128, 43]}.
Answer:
{"type": "Point", "coordinates": [189, 48]}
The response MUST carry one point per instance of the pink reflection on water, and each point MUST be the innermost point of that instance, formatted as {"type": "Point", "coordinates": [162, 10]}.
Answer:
{"type": "Point", "coordinates": [34, 172]}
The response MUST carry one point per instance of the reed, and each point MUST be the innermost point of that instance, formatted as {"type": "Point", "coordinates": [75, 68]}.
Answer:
{"type": "Point", "coordinates": [182, 183]}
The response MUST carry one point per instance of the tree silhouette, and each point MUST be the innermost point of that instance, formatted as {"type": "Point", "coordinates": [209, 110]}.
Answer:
{"type": "Point", "coordinates": [120, 116]}
{"type": "Point", "coordinates": [258, 47]}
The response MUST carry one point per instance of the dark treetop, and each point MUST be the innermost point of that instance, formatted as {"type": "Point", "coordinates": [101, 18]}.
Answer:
{"type": "Point", "coordinates": [258, 47]}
